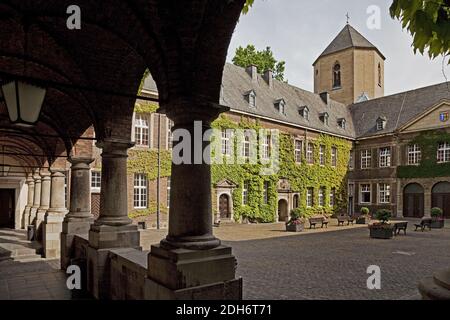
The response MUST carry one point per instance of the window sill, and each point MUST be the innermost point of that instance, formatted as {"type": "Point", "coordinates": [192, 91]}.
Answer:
{"type": "Point", "coordinates": [336, 88]}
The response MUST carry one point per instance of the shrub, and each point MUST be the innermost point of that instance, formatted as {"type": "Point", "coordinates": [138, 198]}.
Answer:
{"type": "Point", "coordinates": [436, 212]}
{"type": "Point", "coordinates": [364, 211]}
{"type": "Point", "coordinates": [383, 215]}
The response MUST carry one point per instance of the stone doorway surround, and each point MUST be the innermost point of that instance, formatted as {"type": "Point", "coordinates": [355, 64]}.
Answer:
{"type": "Point", "coordinates": [224, 187]}
{"type": "Point", "coordinates": [285, 193]}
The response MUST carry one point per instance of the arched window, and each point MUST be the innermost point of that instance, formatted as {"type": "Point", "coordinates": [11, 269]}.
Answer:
{"type": "Point", "coordinates": [379, 74]}
{"type": "Point", "coordinates": [337, 75]}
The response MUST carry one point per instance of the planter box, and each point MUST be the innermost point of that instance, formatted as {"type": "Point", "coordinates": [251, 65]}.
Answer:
{"type": "Point", "coordinates": [295, 227]}
{"type": "Point", "coordinates": [437, 224]}
{"type": "Point", "coordinates": [362, 220]}
{"type": "Point", "coordinates": [381, 233]}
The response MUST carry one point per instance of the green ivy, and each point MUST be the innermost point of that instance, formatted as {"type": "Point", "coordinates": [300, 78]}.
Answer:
{"type": "Point", "coordinates": [146, 107]}
{"type": "Point", "coordinates": [428, 167]}
{"type": "Point", "coordinates": [145, 160]}
{"type": "Point", "coordinates": [152, 209]}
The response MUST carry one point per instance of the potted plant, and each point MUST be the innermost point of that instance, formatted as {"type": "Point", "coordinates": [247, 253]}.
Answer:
{"type": "Point", "coordinates": [437, 221]}
{"type": "Point", "coordinates": [296, 223]}
{"type": "Point", "coordinates": [382, 229]}
{"type": "Point", "coordinates": [364, 217]}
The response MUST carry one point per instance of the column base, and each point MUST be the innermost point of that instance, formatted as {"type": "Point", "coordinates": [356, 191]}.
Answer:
{"type": "Point", "coordinates": [40, 217]}
{"type": "Point", "coordinates": [192, 274]}
{"type": "Point", "coordinates": [70, 228]}
{"type": "Point", "coordinates": [32, 217]}
{"type": "Point", "coordinates": [51, 234]}
{"type": "Point", "coordinates": [436, 287]}
{"type": "Point", "coordinates": [102, 239]}
{"type": "Point", "coordinates": [26, 217]}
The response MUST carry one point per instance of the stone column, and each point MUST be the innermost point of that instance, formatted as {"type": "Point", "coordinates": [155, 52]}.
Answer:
{"type": "Point", "coordinates": [36, 197]}
{"type": "Point", "coordinates": [45, 202]}
{"type": "Point", "coordinates": [79, 218]}
{"type": "Point", "coordinates": [113, 229]}
{"type": "Point", "coordinates": [399, 199]}
{"type": "Point", "coordinates": [190, 262]}
{"type": "Point", "coordinates": [30, 201]}
{"type": "Point", "coordinates": [52, 227]}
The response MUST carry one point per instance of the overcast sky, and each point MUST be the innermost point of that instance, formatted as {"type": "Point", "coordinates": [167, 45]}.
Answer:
{"type": "Point", "coordinates": [299, 30]}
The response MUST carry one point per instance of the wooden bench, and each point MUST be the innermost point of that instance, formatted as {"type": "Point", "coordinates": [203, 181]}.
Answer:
{"type": "Point", "coordinates": [318, 220]}
{"type": "Point", "coordinates": [399, 226]}
{"type": "Point", "coordinates": [343, 219]}
{"type": "Point", "coordinates": [423, 224]}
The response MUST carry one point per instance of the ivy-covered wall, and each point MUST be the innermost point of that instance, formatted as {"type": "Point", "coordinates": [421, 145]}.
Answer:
{"type": "Point", "coordinates": [428, 167]}
{"type": "Point", "coordinates": [300, 175]}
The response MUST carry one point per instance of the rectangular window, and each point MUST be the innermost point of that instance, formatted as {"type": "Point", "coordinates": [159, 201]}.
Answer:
{"type": "Point", "coordinates": [96, 180]}
{"type": "Point", "coordinates": [351, 161]}
{"type": "Point", "coordinates": [266, 147]}
{"type": "Point", "coordinates": [414, 154]}
{"type": "Point", "coordinates": [385, 157]}
{"type": "Point", "coordinates": [384, 193]}
{"type": "Point", "coordinates": [226, 143]}
{"type": "Point", "coordinates": [310, 153]}
{"type": "Point", "coordinates": [333, 156]}
{"type": "Point", "coordinates": [332, 197]}
{"type": "Point", "coordinates": [322, 197]}
{"type": "Point", "coordinates": [366, 159]}
{"type": "Point", "coordinates": [141, 130]}
{"type": "Point", "coordinates": [365, 193]}
{"type": "Point", "coordinates": [168, 192]}
{"type": "Point", "coordinates": [309, 197]}
{"type": "Point", "coordinates": [245, 188]}
{"type": "Point", "coordinates": [169, 134]}
{"type": "Point", "coordinates": [322, 155]}
{"type": "Point", "coordinates": [443, 153]}
{"type": "Point", "coordinates": [140, 191]}
{"type": "Point", "coordinates": [298, 150]}
{"type": "Point", "coordinates": [246, 145]}
{"type": "Point", "coordinates": [351, 190]}
{"type": "Point", "coordinates": [266, 192]}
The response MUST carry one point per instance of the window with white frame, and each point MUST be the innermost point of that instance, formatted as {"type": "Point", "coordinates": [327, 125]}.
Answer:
{"type": "Point", "coordinates": [333, 156]}
{"type": "Point", "coordinates": [266, 192]}
{"type": "Point", "coordinates": [226, 142]}
{"type": "Point", "coordinates": [169, 134]}
{"type": "Point", "coordinates": [266, 146]}
{"type": "Point", "coordinates": [351, 160]}
{"type": "Point", "coordinates": [140, 191]}
{"type": "Point", "coordinates": [246, 145]}
{"type": "Point", "coordinates": [322, 155]}
{"type": "Point", "coordinates": [365, 193]}
{"type": "Point", "coordinates": [141, 130]}
{"type": "Point", "coordinates": [245, 188]}
{"type": "Point", "coordinates": [366, 159]}
{"type": "Point", "coordinates": [443, 153]}
{"type": "Point", "coordinates": [385, 157]}
{"type": "Point", "coordinates": [332, 197]}
{"type": "Point", "coordinates": [414, 154]}
{"type": "Point", "coordinates": [298, 150]}
{"type": "Point", "coordinates": [322, 197]}
{"type": "Point", "coordinates": [309, 197]}
{"type": "Point", "coordinates": [168, 192]}
{"type": "Point", "coordinates": [252, 99]}
{"type": "Point", "coordinates": [96, 181]}
{"type": "Point", "coordinates": [310, 153]}
{"type": "Point", "coordinates": [384, 193]}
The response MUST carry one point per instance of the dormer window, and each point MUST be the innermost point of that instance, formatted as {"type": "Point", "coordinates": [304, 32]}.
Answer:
{"type": "Point", "coordinates": [250, 96]}
{"type": "Point", "coordinates": [304, 112]}
{"type": "Point", "coordinates": [324, 118]}
{"type": "Point", "coordinates": [381, 123]}
{"type": "Point", "coordinates": [342, 123]}
{"type": "Point", "coordinates": [280, 105]}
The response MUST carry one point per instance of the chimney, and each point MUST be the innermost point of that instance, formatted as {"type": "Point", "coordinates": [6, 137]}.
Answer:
{"type": "Point", "coordinates": [325, 96]}
{"type": "Point", "coordinates": [268, 77]}
{"type": "Point", "coordinates": [252, 70]}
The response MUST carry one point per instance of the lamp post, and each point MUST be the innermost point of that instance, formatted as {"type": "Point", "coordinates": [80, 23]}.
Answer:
{"type": "Point", "coordinates": [23, 101]}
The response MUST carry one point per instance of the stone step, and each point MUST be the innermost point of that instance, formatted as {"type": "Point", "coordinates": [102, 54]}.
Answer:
{"type": "Point", "coordinates": [28, 258]}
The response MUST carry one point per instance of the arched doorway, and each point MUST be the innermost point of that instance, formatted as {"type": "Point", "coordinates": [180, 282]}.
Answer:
{"type": "Point", "coordinates": [441, 197]}
{"type": "Point", "coordinates": [224, 206]}
{"type": "Point", "coordinates": [283, 210]}
{"type": "Point", "coordinates": [413, 203]}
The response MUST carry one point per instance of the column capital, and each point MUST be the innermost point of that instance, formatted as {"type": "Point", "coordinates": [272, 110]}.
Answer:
{"type": "Point", "coordinates": [80, 162]}
{"type": "Point", "coordinates": [45, 175]}
{"type": "Point", "coordinates": [55, 171]}
{"type": "Point", "coordinates": [115, 148]}
{"type": "Point", "coordinates": [186, 110]}
{"type": "Point", "coordinates": [29, 180]}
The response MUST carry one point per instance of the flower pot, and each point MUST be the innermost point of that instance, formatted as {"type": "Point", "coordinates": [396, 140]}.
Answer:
{"type": "Point", "coordinates": [295, 227]}
{"type": "Point", "coordinates": [381, 233]}
{"type": "Point", "coordinates": [437, 224]}
{"type": "Point", "coordinates": [362, 220]}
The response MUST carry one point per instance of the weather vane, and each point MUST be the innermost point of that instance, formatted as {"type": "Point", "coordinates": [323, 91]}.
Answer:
{"type": "Point", "coordinates": [348, 17]}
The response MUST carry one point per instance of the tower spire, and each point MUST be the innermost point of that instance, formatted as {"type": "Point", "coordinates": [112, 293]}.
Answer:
{"type": "Point", "coordinates": [348, 18]}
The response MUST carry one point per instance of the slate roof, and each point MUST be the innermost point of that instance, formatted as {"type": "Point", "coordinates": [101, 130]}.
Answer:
{"type": "Point", "coordinates": [236, 82]}
{"type": "Point", "coordinates": [398, 109]}
{"type": "Point", "coordinates": [349, 37]}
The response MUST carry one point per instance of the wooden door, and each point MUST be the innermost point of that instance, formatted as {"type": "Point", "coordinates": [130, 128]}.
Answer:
{"type": "Point", "coordinates": [224, 207]}
{"type": "Point", "coordinates": [413, 205]}
{"type": "Point", "coordinates": [442, 200]}
{"type": "Point", "coordinates": [7, 208]}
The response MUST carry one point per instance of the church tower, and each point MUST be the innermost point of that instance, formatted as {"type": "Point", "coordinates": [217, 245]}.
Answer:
{"type": "Point", "coordinates": [351, 69]}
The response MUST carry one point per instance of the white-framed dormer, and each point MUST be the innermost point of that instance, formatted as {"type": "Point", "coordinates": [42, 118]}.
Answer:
{"type": "Point", "coordinates": [381, 123]}
{"type": "Point", "coordinates": [304, 112]}
{"type": "Point", "coordinates": [280, 105]}
{"type": "Point", "coordinates": [250, 97]}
